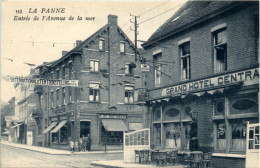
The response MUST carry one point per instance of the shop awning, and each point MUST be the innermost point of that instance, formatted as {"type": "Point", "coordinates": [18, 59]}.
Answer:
{"type": "Point", "coordinates": [5, 133]}
{"type": "Point", "coordinates": [53, 124]}
{"type": "Point", "coordinates": [17, 125]}
{"type": "Point", "coordinates": [58, 127]}
{"type": "Point", "coordinates": [114, 125]}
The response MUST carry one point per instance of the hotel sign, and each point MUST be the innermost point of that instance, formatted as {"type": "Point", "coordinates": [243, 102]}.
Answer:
{"type": "Point", "coordinates": [38, 81]}
{"type": "Point", "coordinates": [246, 75]}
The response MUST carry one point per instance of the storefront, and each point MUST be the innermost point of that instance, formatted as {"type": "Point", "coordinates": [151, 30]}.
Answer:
{"type": "Point", "coordinates": [209, 114]}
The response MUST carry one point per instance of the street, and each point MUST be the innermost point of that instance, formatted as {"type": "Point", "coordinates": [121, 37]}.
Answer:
{"type": "Point", "coordinates": [16, 157]}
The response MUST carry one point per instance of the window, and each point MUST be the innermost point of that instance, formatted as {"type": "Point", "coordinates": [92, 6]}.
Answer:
{"type": "Point", "coordinates": [94, 65]}
{"type": "Point", "coordinates": [220, 51]}
{"type": "Point", "coordinates": [70, 70]}
{"type": "Point", "coordinates": [129, 94]}
{"type": "Point", "coordinates": [57, 73]}
{"type": "Point", "coordinates": [39, 129]}
{"type": "Point", "coordinates": [46, 100]}
{"type": "Point", "coordinates": [122, 46]}
{"type": "Point", "coordinates": [52, 75]}
{"type": "Point", "coordinates": [185, 61]}
{"type": "Point", "coordinates": [129, 68]}
{"type": "Point", "coordinates": [158, 67]}
{"type": "Point", "coordinates": [57, 97]}
{"type": "Point", "coordinates": [63, 71]}
{"type": "Point", "coordinates": [94, 92]}
{"type": "Point", "coordinates": [52, 99]}
{"type": "Point", "coordinates": [63, 95]}
{"type": "Point", "coordinates": [101, 44]}
{"type": "Point", "coordinates": [70, 94]}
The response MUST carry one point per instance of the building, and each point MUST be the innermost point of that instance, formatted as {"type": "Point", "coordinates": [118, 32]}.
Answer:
{"type": "Point", "coordinates": [103, 105]}
{"type": "Point", "coordinates": [205, 84]}
{"type": "Point", "coordinates": [24, 126]}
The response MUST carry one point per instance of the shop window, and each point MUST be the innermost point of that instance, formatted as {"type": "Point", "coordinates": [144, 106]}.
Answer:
{"type": "Point", "coordinates": [157, 114]}
{"type": "Point", "coordinates": [253, 138]}
{"type": "Point", "coordinates": [244, 105]}
{"type": "Point", "coordinates": [122, 47]}
{"type": "Point", "coordinates": [64, 134]}
{"type": "Point", "coordinates": [55, 138]}
{"type": "Point", "coordinates": [63, 95]}
{"type": "Point", "coordinates": [158, 67]}
{"type": "Point", "coordinates": [220, 50]}
{"type": "Point", "coordinates": [172, 114]}
{"type": "Point", "coordinates": [173, 132]}
{"type": "Point", "coordinates": [185, 61]}
{"type": "Point", "coordinates": [94, 92]}
{"type": "Point", "coordinates": [219, 107]}
{"type": "Point", "coordinates": [101, 45]}
{"type": "Point", "coordinates": [108, 137]}
{"type": "Point", "coordinates": [221, 136]}
{"type": "Point", "coordinates": [129, 94]}
{"type": "Point", "coordinates": [187, 112]}
{"type": "Point", "coordinates": [94, 65]}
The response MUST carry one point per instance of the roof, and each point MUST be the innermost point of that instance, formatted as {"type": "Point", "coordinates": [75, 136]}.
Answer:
{"type": "Point", "coordinates": [190, 13]}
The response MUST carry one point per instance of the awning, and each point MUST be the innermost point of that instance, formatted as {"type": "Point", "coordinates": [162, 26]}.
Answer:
{"type": "Point", "coordinates": [114, 125]}
{"type": "Point", "coordinates": [17, 125]}
{"type": "Point", "coordinates": [5, 133]}
{"type": "Point", "coordinates": [58, 127]}
{"type": "Point", "coordinates": [53, 124]}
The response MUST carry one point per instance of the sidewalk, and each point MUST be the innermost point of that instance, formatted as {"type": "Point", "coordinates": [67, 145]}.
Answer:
{"type": "Point", "coordinates": [121, 164]}
{"type": "Point", "coordinates": [52, 151]}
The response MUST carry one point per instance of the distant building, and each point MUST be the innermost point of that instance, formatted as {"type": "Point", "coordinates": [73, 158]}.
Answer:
{"type": "Point", "coordinates": [104, 104]}
{"type": "Point", "coordinates": [205, 85]}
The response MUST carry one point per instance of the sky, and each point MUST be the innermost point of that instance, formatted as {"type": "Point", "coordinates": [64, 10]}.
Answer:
{"type": "Point", "coordinates": [41, 41]}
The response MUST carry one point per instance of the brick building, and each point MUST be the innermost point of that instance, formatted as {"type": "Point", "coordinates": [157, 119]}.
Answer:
{"type": "Point", "coordinates": [104, 103]}
{"type": "Point", "coordinates": [205, 84]}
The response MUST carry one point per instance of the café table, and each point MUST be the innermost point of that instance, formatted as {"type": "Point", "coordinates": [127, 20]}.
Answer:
{"type": "Point", "coordinates": [196, 158]}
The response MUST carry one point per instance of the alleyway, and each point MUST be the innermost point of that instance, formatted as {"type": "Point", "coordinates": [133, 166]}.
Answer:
{"type": "Point", "coordinates": [15, 157]}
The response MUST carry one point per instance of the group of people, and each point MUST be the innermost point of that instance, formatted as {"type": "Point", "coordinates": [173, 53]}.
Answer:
{"type": "Point", "coordinates": [81, 145]}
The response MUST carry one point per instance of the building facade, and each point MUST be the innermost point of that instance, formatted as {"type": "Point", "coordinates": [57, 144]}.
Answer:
{"type": "Point", "coordinates": [204, 86]}
{"type": "Point", "coordinates": [103, 106]}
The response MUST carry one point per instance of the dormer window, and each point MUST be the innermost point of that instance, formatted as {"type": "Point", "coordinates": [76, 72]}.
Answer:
{"type": "Point", "coordinates": [122, 47]}
{"type": "Point", "coordinates": [101, 46]}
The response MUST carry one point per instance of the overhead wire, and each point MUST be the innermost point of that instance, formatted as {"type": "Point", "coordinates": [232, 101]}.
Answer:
{"type": "Point", "coordinates": [153, 8]}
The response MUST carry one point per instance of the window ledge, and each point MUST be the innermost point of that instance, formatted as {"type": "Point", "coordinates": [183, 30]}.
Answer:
{"type": "Point", "coordinates": [95, 72]}
{"type": "Point", "coordinates": [129, 74]}
{"type": "Point", "coordinates": [129, 103]}
{"type": "Point", "coordinates": [228, 155]}
{"type": "Point", "coordinates": [94, 101]}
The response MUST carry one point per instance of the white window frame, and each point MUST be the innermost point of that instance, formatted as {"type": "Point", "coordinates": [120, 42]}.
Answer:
{"type": "Point", "coordinates": [94, 87]}
{"type": "Point", "coordinates": [122, 47]}
{"type": "Point", "coordinates": [52, 99]}
{"type": "Point", "coordinates": [64, 95]}
{"type": "Point", "coordinates": [94, 65]}
{"type": "Point", "coordinates": [101, 44]}
{"type": "Point", "coordinates": [128, 69]}
{"type": "Point", "coordinates": [187, 71]}
{"type": "Point", "coordinates": [57, 97]}
{"type": "Point", "coordinates": [129, 90]}
{"type": "Point", "coordinates": [158, 68]}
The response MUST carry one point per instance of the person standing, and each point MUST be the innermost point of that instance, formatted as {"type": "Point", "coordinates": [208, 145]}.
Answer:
{"type": "Point", "coordinates": [71, 145]}
{"type": "Point", "coordinates": [84, 143]}
{"type": "Point", "coordinates": [76, 149]}
{"type": "Point", "coordinates": [89, 143]}
{"type": "Point", "coordinates": [80, 144]}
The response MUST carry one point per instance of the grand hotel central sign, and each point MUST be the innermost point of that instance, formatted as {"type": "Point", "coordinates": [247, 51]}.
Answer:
{"type": "Point", "coordinates": [251, 75]}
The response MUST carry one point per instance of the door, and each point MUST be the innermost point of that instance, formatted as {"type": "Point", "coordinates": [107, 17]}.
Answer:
{"type": "Point", "coordinates": [252, 147]}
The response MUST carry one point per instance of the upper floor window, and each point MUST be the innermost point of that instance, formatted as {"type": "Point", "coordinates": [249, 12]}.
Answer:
{"type": "Point", "coordinates": [52, 99]}
{"type": "Point", "coordinates": [70, 94]}
{"type": "Point", "coordinates": [94, 65]}
{"type": "Point", "coordinates": [63, 95]}
{"type": "Point", "coordinates": [63, 71]}
{"type": "Point", "coordinates": [46, 100]}
{"type": "Point", "coordinates": [70, 70]}
{"type": "Point", "coordinates": [101, 45]}
{"type": "Point", "coordinates": [52, 75]}
{"type": "Point", "coordinates": [129, 68]}
{"type": "Point", "coordinates": [122, 46]}
{"type": "Point", "coordinates": [94, 92]}
{"type": "Point", "coordinates": [57, 73]}
{"type": "Point", "coordinates": [158, 66]}
{"type": "Point", "coordinates": [185, 61]}
{"type": "Point", "coordinates": [57, 97]}
{"type": "Point", "coordinates": [220, 50]}
{"type": "Point", "coordinates": [129, 94]}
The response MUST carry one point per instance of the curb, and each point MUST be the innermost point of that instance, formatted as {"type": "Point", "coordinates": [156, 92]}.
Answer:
{"type": "Point", "coordinates": [107, 166]}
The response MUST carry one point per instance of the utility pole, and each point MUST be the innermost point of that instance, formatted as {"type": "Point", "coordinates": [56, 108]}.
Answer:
{"type": "Point", "coordinates": [136, 33]}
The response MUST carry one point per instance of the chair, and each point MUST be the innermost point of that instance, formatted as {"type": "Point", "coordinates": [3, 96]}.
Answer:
{"type": "Point", "coordinates": [137, 155]}
{"type": "Point", "coordinates": [187, 160]}
{"type": "Point", "coordinates": [197, 160]}
{"type": "Point", "coordinates": [161, 158]}
{"type": "Point", "coordinates": [145, 155]}
{"type": "Point", "coordinates": [207, 159]}
{"type": "Point", "coordinates": [171, 157]}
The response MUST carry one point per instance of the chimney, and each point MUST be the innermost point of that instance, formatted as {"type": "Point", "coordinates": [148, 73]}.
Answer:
{"type": "Point", "coordinates": [78, 42]}
{"type": "Point", "coordinates": [64, 53]}
{"type": "Point", "coordinates": [112, 19]}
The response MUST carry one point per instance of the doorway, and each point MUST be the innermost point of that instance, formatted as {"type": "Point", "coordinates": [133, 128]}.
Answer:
{"type": "Point", "coordinates": [84, 128]}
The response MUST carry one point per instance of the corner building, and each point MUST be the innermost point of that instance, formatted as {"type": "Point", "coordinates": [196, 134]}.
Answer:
{"type": "Point", "coordinates": [103, 105]}
{"type": "Point", "coordinates": [205, 84]}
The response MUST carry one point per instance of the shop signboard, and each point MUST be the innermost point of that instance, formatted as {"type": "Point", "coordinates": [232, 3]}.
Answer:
{"type": "Point", "coordinates": [251, 76]}
{"type": "Point", "coordinates": [145, 67]}
{"type": "Point", "coordinates": [112, 116]}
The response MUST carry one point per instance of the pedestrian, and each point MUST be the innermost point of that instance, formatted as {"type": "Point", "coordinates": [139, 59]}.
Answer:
{"type": "Point", "coordinates": [76, 148]}
{"type": "Point", "coordinates": [84, 143]}
{"type": "Point", "coordinates": [89, 143]}
{"type": "Point", "coordinates": [72, 145]}
{"type": "Point", "coordinates": [80, 144]}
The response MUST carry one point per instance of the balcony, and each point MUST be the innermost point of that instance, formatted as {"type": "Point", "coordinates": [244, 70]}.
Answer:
{"type": "Point", "coordinates": [37, 113]}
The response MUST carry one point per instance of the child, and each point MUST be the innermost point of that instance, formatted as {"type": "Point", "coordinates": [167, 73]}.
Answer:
{"type": "Point", "coordinates": [76, 148]}
{"type": "Point", "coordinates": [80, 144]}
{"type": "Point", "coordinates": [71, 145]}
